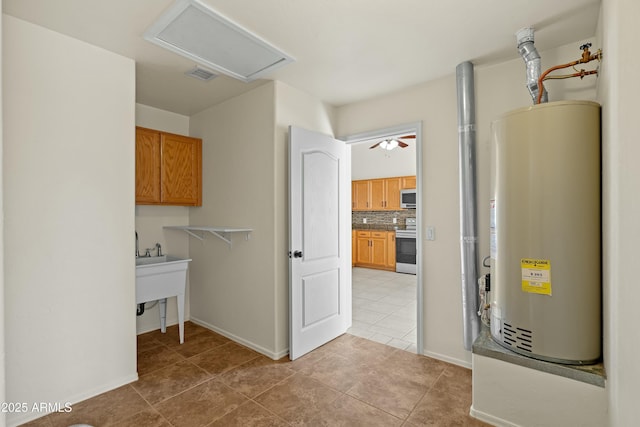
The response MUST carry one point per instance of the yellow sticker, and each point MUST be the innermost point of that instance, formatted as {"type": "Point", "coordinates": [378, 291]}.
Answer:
{"type": "Point", "coordinates": [536, 276]}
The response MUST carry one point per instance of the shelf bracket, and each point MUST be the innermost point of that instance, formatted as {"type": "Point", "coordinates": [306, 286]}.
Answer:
{"type": "Point", "coordinates": [223, 233]}
{"type": "Point", "coordinates": [222, 236]}
{"type": "Point", "coordinates": [201, 238]}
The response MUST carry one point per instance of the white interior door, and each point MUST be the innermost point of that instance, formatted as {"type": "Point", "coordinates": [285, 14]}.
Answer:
{"type": "Point", "coordinates": [320, 240]}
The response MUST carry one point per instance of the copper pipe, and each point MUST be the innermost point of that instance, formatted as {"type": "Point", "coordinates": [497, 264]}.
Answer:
{"type": "Point", "coordinates": [586, 57]}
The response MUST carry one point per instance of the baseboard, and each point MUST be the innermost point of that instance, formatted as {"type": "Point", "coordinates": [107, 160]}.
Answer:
{"type": "Point", "coordinates": [111, 385]}
{"type": "Point", "coordinates": [490, 419]}
{"type": "Point", "coordinates": [448, 359]}
{"type": "Point", "coordinates": [269, 353]}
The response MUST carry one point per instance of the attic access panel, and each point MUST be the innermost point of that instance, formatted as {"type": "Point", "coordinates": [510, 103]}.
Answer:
{"type": "Point", "coordinates": [191, 29]}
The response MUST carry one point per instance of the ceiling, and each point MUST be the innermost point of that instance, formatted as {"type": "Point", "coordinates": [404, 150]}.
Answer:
{"type": "Point", "coordinates": [345, 50]}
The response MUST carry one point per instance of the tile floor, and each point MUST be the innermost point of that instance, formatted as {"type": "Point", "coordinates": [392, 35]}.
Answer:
{"type": "Point", "coordinates": [212, 381]}
{"type": "Point", "coordinates": [384, 307]}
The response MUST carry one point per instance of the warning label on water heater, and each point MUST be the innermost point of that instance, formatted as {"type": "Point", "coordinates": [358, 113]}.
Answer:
{"type": "Point", "coordinates": [536, 276]}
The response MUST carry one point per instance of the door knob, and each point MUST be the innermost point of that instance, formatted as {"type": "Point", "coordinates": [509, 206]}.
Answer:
{"type": "Point", "coordinates": [297, 254]}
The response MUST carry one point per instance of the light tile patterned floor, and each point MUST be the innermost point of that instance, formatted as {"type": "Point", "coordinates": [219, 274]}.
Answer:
{"type": "Point", "coordinates": [212, 381]}
{"type": "Point", "coordinates": [384, 307]}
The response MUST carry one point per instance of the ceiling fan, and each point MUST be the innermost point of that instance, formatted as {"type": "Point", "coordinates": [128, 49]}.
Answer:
{"type": "Point", "coordinates": [391, 143]}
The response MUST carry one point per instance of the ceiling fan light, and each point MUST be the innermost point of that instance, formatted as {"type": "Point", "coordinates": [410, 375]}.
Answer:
{"type": "Point", "coordinates": [391, 144]}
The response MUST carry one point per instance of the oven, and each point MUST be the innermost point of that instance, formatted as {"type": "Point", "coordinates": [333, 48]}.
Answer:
{"type": "Point", "coordinates": [406, 248]}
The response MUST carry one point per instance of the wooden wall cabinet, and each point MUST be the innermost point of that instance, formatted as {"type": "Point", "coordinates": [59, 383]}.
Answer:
{"type": "Point", "coordinates": [381, 194]}
{"type": "Point", "coordinates": [385, 194]}
{"type": "Point", "coordinates": [408, 182]}
{"type": "Point", "coordinates": [168, 169]}
{"type": "Point", "coordinates": [361, 195]}
{"type": "Point", "coordinates": [372, 249]}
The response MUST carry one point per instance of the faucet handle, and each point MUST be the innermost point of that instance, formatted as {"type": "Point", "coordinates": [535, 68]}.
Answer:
{"type": "Point", "coordinates": [147, 252]}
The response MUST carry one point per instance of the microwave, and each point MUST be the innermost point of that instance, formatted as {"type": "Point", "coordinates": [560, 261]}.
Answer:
{"type": "Point", "coordinates": [408, 199]}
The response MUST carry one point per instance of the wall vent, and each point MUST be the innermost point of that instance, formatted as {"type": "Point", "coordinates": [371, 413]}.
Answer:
{"type": "Point", "coordinates": [201, 74]}
{"type": "Point", "coordinates": [191, 29]}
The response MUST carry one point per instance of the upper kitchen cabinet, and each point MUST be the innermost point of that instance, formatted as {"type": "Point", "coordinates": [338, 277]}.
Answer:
{"type": "Point", "coordinates": [408, 182]}
{"type": "Point", "coordinates": [361, 195]}
{"type": "Point", "coordinates": [379, 194]}
{"type": "Point", "coordinates": [385, 194]}
{"type": "Point", "coordinates": [168, 169]}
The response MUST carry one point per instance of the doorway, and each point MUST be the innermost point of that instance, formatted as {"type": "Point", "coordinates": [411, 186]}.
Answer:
{"type": "Point", "coordinates": [384, 301]}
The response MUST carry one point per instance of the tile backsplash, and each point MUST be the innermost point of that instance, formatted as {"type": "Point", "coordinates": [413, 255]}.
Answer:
{"type": "Point", "coordinates": [381, 218]}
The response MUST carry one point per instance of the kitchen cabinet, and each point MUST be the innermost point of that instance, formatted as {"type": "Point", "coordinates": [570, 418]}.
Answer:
{"type": "Point", "coordinates": [380, 194]}
{"type": "Point", "coordinates": [391, 249]}
{"type": "Point", "coordinates": [168, 169]}
{"type": "Point", "coordinates": [385, 194]}
{"type": "Point", "coordinates": [408, 182]}
{"type": "Point", "coordinates": [353, 248]}
{"type": "Point", "coordinates": [361, 195]}
{"type": "Point", "coordinates": [372, 249]}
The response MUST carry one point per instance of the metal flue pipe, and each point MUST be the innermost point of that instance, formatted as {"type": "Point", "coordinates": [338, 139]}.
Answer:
{"type": "Point", "coordinates": [468, 233]}
{"type": "Point", "coordinates": [532, 60]}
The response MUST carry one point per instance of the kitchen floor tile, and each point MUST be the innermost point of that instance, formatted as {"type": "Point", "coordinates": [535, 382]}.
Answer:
{"type": "Point", "coordinates": [388, 319]}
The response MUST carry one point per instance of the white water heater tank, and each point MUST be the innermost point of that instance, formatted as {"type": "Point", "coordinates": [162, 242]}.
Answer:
{"type": "Point", "coordinates": [545, 232]}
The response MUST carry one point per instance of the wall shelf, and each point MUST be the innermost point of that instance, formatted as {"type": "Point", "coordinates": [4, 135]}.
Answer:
{"type": "Point", "coordinates": [223, 233]}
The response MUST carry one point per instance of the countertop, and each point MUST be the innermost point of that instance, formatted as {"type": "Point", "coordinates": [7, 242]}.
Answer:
{"type": "Point", "coordinates": [377, 227]}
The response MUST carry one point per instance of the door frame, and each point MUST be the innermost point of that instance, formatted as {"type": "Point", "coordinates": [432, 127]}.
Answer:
{"type": "Point", "coordinates": [413, 127]}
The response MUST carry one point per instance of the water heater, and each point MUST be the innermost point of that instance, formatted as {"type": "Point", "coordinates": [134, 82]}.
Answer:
{"type": "Point", "coordinates": [545, 232]}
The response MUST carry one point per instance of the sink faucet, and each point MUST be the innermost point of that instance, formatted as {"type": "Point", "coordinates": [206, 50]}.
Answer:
{"type": "Point", "coordinates": [137, 246]}
{"type": "Point", "coordinates": [159, 249]}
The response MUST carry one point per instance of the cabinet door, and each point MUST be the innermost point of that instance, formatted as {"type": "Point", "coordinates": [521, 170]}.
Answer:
{"type": "Point", "coordinates": [147, 166]}
{"type": "Point", "coordinates": [181, 170]}
{"type": "Point", "coordinates": [379, 248]}
{"type": "Point", "coordinates": [408, 182]}
{"type": "Point", "coordinates": [361, 194]}
{"type": "Point", "coordinates": [391, 249]}
{"type": "Point", "coordinates": [392, 193]}
{"type": "Point", "coordinates": [364, 249]}
{"type": "Point", "coordinates": [354, 248]}
{"type": "Point", "coordinates": [378, 200]}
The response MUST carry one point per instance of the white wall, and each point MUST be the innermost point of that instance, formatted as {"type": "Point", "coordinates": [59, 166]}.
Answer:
{"type": "Point", "coordinates": [618, 92]}
{"type": "Point", "coordinates": [505, 394]}
{"type": "Point", "coordinates": [499, 88]}
{"type": "Point", "coordinates": [242, 292]}
{"type": "Point", "coordinates": [378, 163]}
{"type": "Point", "coordinates": [3, 416]}
{"type": "Point", "coordinates": [233, 289]}
{"type": "Point", "coordinates": [151, 219]}
{"type": "Point", "coordinates": [69, 202]}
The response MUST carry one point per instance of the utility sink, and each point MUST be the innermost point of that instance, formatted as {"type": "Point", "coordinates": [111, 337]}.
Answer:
{"type": "Point", "coordinates": [150, 260]}
{"type": "Point", "coordinates": [158, 278]}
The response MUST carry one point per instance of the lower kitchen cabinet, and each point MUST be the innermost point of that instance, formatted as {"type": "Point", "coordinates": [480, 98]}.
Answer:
{"type": "Point", "coordinates": [372, 249]}
{"type": "Point", "coordinates": [391, 250]}
{"type": "Point", "coordinates": [353, 247]}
